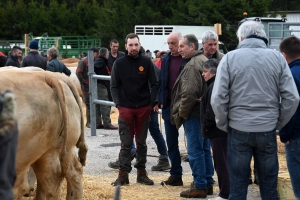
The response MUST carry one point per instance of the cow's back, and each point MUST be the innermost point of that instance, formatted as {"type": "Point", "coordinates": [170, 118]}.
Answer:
{"type": "Point", "coordinates": [40, 118]}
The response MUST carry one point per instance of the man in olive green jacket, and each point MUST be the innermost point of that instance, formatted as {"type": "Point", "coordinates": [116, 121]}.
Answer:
{"type": "Point", "coordinates": [188, 88]}
{"type": "Point", "coordinates": [185, 109]}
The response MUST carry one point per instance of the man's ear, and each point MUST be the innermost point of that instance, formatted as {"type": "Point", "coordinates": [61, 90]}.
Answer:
{"type": "Point", "coordinates": [193, 46]}
{"type": "Point", "coordinates": [284, 55]}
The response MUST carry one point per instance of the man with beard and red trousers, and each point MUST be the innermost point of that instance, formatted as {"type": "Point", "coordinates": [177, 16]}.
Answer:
{"type": "Point", "coordinates": [130, 79]}
{"type": "Point", "coordinates": [101, 69]}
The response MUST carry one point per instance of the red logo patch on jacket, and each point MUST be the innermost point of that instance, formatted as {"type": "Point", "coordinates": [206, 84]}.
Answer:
{"type": "Point", "coordinates": [141, 70]}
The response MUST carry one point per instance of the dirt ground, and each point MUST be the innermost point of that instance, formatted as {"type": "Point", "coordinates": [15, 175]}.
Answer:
{"type": "Point", "coordinates": [98, 177]}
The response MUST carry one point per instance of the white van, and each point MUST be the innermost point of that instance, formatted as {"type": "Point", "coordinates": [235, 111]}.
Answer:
{"type": "Point", "coordinates": [155, 37]}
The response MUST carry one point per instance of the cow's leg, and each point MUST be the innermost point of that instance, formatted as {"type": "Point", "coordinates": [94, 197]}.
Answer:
{"type": "Point", "coordinates": [74, 179]}
{"type": "Point", "coordinates": [31, 181]}
{"type": "Point", "coordinates": [31, 178]}
{"type": "Point", "coordinates": [40, 193]}
{"type": "Point", "coordinates": [48, 173]}
{"type": "Point", "coordinates": [21, 186]}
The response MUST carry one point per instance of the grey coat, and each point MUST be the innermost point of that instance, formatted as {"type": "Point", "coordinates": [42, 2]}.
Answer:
{"type": "Point", "coordinates": [254, 90]}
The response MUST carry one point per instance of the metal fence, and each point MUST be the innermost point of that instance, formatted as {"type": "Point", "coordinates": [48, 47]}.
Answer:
{"type": "Point", "coordinates": [93, 92]}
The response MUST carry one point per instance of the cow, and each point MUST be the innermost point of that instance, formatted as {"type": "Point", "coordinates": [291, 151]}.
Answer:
{"type": "Point", "coordinates": [50, 126]}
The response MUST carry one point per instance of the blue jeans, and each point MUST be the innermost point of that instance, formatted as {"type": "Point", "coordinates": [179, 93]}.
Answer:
{"type": "Point", "coordinates": [156, 135]}
{"type": "Point", "coordinates": [172, 143]}
{"type": "Point", "coordinates": [292, 151]}
{"type": "Point", "coordinates": [241, 147]}
{"type": "Point", "coordinates": [199, 153]}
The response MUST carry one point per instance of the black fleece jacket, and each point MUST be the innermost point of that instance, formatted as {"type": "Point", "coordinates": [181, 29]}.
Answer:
{"type": "Point", "coordinates": [207, 115]}
{"type": "Point", "coordinates": [34, 59]}
{"type": "Point", "coordinates": [130, 79]}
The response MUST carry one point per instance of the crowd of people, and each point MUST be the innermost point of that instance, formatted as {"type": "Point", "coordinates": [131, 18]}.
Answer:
{"type": "Point", "coordinates": [230, 107]}
{"type": "Point", "coordinates": [34, 58]}
{"type": "Point", "coordinates": [229, 104]}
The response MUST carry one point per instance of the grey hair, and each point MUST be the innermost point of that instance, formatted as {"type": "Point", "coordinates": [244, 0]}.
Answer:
{"type": "Point", "coordinates": [212, 65]}
{"type": "Point", "coordinates": [103, 51]}
{"type": "Point", "coordinates": [251, 28]}
{"type": "Point", "coordinates": [209, 35]}
{"type": "Point", "coordinates": [53, 52]}
{"type": "Point", "coordinates": [191, 39]}
{"type": "Point", "coordinates": [179, 35]}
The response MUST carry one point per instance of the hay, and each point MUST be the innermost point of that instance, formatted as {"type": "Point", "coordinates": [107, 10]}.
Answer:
{"type": "Point", "coordinates": [74, 64]}
{"type": "Point", "coordinates": [69, 60]}
{"type": "Point", "coordinates": [280, 146]}
{"type": "Point", "coordinates": [99, 187]}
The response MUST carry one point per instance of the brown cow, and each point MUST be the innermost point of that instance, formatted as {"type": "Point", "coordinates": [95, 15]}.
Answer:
{"type": "Point", "coordinates": [50, 125]}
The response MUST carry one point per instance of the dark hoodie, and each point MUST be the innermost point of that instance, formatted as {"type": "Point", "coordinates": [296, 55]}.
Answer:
{"type": "Point", "coordinates": [100, 69]}
{"type": "Point", "coordinates": [130, 77]}
{"type": "Point", "coordinates": [207, 115]}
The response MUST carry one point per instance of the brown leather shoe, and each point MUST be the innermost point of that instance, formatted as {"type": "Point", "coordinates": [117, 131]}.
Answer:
{"type": "Point", "coordinates": [111, 127]}
{"type": "Point", "coordinates": [122, 179]}
{"type": "Point", "coordinates": [193, 192]}
{"type": "Point", "coordinates": [142, 177]}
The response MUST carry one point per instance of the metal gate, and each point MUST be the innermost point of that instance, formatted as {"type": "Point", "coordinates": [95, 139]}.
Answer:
{"type": "Point", "coordinates": [93, 92]}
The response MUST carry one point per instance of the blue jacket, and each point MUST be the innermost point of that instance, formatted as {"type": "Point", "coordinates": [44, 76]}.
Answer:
{"type": "Point", "coordinates": [292, 129]}
{"type": "Point", "coordinates": [164, 80]}
{"type": "Point", "coordinates": [55, 65]}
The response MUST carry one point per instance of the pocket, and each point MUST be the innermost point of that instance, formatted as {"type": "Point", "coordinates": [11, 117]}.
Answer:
{"type": "Point", "coordinates": [270, 142]}
{"type": "Point", "coordinates": [123, 126]}
{"type": "Point", "coordinates": [239, 140]}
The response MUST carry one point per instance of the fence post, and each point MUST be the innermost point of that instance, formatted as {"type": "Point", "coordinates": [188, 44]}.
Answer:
{"type": "Point", "coordinates": [92, 92]}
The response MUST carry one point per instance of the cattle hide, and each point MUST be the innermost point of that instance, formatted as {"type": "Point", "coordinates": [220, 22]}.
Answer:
{"type": "Point", "coordinates": [50, 125]}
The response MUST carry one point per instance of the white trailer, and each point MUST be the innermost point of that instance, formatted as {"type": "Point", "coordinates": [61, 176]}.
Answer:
{"type": "Point", "coordinates": [155, 37]}
{"type": "Point", "coordinates": [277, 29]}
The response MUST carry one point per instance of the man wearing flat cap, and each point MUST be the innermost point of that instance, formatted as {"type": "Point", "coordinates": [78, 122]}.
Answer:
{"type": "Point", "coordinates": [34, 59]}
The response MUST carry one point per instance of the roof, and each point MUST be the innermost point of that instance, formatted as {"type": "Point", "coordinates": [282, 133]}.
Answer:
{"type": "Point", "coordinates": [264, 19]}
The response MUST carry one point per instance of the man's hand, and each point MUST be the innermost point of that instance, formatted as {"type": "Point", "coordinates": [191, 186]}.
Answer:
{"type": "Point", "coordinates": [156, 108]}
{"type": "Point", "coordinates": [286, 143]}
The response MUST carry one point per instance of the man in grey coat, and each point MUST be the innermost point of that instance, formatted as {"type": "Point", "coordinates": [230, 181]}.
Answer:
{"type": "Point", "coordinates": [254, 94]}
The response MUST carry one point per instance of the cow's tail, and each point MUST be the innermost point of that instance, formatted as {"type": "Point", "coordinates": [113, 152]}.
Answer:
{"type": "Point", "coordinates": [81, 145]}
{"type": "Point", "coordinates": [57, 87]}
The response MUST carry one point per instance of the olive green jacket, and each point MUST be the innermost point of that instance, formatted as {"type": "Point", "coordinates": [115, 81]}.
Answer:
{"type": "Point", "coordinates": [188, 88]}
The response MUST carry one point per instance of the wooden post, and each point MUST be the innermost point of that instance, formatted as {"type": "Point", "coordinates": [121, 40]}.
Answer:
{"type": "Point", "coordinates": [56, 43]}
{"type": "Point", "coordinates": [26, 44]}
{"type": "Point", "coordinates": [218, 30]}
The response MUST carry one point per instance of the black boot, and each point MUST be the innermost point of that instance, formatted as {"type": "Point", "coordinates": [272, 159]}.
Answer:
{"type": "Point", "coordinates": [163, 164]}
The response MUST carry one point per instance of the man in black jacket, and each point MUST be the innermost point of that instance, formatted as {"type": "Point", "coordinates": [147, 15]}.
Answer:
{"type": "Point", "coordinates": [14, 59]}
{"type": "Point", "coordinates": [130, 91]}
{"type": "Point", "coordinates": [102, 69]}
{"type": "Point", "coordinates": [34, 58]}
